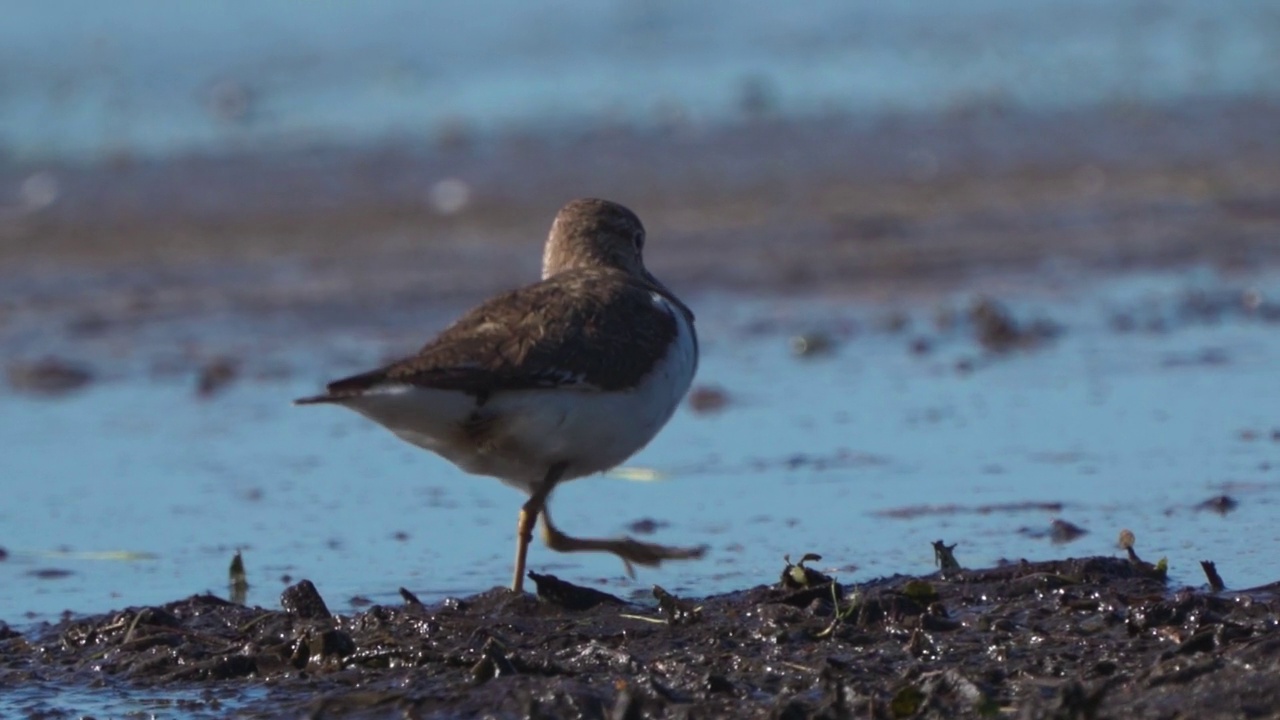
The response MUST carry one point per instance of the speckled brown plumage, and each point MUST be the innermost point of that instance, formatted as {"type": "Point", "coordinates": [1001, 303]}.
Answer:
{"type": "Point", "coordinates": [589, 327]}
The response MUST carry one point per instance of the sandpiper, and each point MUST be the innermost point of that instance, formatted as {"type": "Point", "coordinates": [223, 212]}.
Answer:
{"type": "Point", "coordinates": [557, 380]}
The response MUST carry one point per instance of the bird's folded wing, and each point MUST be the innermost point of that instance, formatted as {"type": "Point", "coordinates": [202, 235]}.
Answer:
{"type": "Point", "coordinates": [587, 330]}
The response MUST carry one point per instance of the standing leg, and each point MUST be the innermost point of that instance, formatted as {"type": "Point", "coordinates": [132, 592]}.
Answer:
{"type": "Point", "coordinates": [529, 517]}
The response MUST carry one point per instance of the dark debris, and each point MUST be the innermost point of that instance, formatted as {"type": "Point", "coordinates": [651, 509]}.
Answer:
{"type": "Point", "coordinates": [1220, 504]}
{"type": "Point", "coordinates": [555, 591]}
{"type": "Point", "coordinates": [216, 375]}
{"type": "Point", "coordinates": [676, 610]}
{"type": "Point", "coordinates": [996, 329]}
{"type": "Point", "coordinates": [944, 556]}
{"type": "Point", "coordinates": [797, 576]}
{"type": "Point", "coordinates": [1093, 637]}
{"type": "Point", "coordinates": [303, 600]}
{"type": "Point", "coordinates": [1211, 574]}
{"type": "Point", "coordinates": [1059, 532]}
{"type": "Point", "coordinates": [50, 376]}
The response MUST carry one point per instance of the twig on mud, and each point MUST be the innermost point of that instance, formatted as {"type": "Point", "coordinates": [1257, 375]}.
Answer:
{"type": "Point", "coordinates": [255, 621]}
{"type": "Point", "coordinates": [645, 618]}
{"type": "Point", "coordinates": [132, 626]}
{"type": "Point", "coordinates": [1211, 572]}
{"type": "Point", "coordinates": [840, 615]}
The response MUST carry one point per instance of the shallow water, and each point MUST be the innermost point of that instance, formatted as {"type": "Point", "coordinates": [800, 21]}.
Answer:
{"type": "Point", "coordinates": [50, 700]}
{"type": "Point", "coordinates": [133, 492]}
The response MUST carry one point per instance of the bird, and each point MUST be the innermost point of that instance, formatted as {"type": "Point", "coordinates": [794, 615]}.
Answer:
{"type": "Point", "coordinates": [557, 380]}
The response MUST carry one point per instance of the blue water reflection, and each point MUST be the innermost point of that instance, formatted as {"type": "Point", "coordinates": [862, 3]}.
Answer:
{"type": "Point", "coordinates": [1125, 430]}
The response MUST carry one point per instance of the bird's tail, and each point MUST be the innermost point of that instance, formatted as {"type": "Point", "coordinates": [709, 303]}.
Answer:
{"type": "Point", "coordinates": [317, 400]}
{"type": "Point", "coordinates": [349, 387]}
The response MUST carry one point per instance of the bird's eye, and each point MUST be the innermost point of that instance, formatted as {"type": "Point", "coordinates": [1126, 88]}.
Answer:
{"type": "Point", "coordinates": [639, 240]}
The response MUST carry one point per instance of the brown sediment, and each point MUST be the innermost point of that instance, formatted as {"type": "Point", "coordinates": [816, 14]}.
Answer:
{"type": "Point", "coordinates": [915, 511]}
{"type": "Point", "coordinates": [835, 203]}
{"type": "Point", "coordinates": [295, 242]}
{"type": "Point", "coordinates": [48, 376]}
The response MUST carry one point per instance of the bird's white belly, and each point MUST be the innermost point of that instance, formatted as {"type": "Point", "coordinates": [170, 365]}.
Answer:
{"type": "Point", "coordinates": [590, 430]}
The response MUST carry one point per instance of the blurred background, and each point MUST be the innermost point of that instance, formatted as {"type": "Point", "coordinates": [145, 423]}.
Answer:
{"type": "Point", "coordinates": [987, 133]}
{"type": "Point", "coordinates": [207, 209]}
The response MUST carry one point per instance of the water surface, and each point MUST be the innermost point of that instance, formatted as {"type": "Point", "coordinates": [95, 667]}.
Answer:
{"type": "Point", "coordinates": [135, 492]}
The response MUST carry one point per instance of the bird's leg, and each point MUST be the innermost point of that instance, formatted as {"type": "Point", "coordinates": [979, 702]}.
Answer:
{"type": "Point", "coordinates": [529, 517]}
{"type": "Point", "coordinates": [629, 550]}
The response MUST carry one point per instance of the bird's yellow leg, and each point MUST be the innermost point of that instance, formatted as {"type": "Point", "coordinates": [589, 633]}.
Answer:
{"type": "Point", "coordinates": [528, 518]}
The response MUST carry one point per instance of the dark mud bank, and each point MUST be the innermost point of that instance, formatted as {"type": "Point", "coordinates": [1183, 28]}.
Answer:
{"type": "Point", "coordinates": [1094, 637]}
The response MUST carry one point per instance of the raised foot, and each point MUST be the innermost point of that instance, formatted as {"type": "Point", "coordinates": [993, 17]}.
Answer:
{"type": "Point", "coordinates": [631, 551]}
{"type": "Point", "coordinates": [650, 554]}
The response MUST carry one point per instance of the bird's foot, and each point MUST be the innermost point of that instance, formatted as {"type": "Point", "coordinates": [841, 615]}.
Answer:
{"type": "Point", "coordinates": [631, 551]}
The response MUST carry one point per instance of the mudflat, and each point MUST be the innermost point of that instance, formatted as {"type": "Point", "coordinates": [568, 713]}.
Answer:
{"type": "Point", "coordinates": [1084, 638]}
{"type": "Point", "coordinates": [123, 265]}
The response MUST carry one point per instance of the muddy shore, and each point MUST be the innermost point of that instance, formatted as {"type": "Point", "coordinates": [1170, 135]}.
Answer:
{"type": "Point", "coordinates": [1085, 638]}
{"type": "Point", "coordinates": [842, 203]}
{"type": "Point", "coordinates": [290, 241]}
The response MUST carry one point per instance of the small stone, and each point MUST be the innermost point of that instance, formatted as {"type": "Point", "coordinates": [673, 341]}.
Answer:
{"type": "Point", "coordinates": [304, 601]}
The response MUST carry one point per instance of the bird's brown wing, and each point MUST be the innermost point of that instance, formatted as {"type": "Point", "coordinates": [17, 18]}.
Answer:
{"type": "Point", "coordinates": [585, 329]}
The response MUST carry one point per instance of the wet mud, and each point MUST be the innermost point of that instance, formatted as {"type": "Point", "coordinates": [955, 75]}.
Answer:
{"type": "Point", "coordinates": [1094, 637]}
{"type": "Point", "coordinates": [819, 205]}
